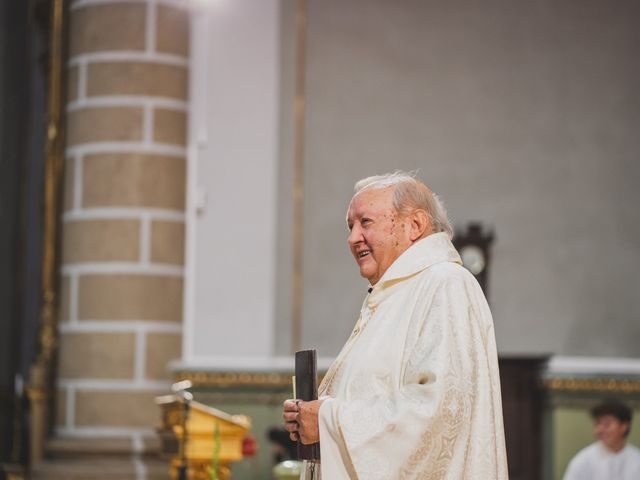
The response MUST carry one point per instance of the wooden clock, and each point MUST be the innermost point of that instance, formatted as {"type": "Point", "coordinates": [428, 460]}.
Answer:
{"type": "Point", "coordinates": [474, 245]}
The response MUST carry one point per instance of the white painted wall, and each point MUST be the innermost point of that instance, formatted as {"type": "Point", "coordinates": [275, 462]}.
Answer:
{"type": "Point", "coordinates": [523, 115]}
{"type": "Point", "coordinates": [230, 284]}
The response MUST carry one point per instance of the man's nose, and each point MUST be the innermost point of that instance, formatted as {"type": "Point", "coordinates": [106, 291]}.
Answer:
{"type": "Point", "coordinates": [355, 235]}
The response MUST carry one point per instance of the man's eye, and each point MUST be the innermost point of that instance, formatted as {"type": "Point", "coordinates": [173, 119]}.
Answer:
{"type": "Point", "coordinates": [365, 221]}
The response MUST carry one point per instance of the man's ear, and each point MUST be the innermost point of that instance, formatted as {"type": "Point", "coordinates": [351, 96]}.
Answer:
{"type": "Point", "coordinates": [420, 225]}
{"type": "Point", "coordinates": [626, 431]}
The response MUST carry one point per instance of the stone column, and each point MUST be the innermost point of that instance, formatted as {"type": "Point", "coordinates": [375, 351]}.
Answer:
{"type": "Point", "coordinates": [123, 220]}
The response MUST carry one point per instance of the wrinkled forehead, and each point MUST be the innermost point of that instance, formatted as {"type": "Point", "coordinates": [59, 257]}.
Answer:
{"type": "Point", "coordinates": [371, 200]}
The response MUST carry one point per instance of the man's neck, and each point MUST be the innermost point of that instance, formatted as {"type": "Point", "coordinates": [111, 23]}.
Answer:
{"type": "Point", "coordinates": [616, 448]}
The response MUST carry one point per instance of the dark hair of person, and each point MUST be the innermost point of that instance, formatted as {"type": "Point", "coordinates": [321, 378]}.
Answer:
{"type": "Point", "coordinates": [614, 408]}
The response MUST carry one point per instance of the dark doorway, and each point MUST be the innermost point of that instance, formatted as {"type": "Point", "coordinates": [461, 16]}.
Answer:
{"type": "Point", "coordinates": [522, 403]}
{"type": "Point", "coordinates": [23, 54]}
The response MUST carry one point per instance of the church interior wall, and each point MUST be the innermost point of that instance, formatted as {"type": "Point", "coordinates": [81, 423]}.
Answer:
{"type": "Point", "coordinates": [234, 141]}
{"type": "Point", "coordinates": [522, 116]}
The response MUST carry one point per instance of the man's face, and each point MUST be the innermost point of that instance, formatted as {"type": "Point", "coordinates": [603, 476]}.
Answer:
{"type": "Point", "coordinates": [611, 431]}
{"type": "Point", "coordinates": [378, 233]}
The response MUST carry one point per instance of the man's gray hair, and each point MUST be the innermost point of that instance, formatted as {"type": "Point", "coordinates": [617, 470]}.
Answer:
{"type": "Point", "coordinates": [410, 194]}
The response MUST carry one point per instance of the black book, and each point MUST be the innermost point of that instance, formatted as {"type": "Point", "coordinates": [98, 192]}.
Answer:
{"type": "Point", "coordinates": [306, 390]}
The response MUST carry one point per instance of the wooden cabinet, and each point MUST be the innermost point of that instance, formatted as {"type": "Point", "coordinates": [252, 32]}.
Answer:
{"type": "Point", "coordinates": [522, 406]}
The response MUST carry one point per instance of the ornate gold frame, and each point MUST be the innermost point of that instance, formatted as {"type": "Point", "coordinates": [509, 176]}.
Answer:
{"type": "Point", "coordinates": [41, 381]}
{"type": "Point", "coordinates": [239, 379]}
{"type": "Point", "coordinates": [607, 385]}
{"type": "Point", "coordinates": [236, 379]}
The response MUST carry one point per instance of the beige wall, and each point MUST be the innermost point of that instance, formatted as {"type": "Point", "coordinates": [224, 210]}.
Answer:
{"type": "Point", "coordinates": [123, 219]}
{"type": "Point", "coordinates": [521, 115]}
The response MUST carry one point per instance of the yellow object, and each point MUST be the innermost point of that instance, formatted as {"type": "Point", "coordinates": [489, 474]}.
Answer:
{"type": "Point", "coordinates": [199, 447]}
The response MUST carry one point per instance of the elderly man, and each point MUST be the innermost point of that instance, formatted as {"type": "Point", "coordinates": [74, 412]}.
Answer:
{"type": "Point", "coordinates": [611, 457]}
{"type": "Point", "coordinates": [415, 391]}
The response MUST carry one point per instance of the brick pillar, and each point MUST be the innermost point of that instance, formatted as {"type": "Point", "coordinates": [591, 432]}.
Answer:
{"type": "Point", "coordinates": [123, 220]}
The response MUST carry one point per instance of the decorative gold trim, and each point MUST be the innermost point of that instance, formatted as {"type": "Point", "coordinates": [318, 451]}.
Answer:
{"type": "Point", "coordinates": [233, 379]}
{"type": "Point", "coordinates": [298, 177]}
{"type": "Point", "coordinates": [237, 379]}
{"type": "Point", "coordinates": [234, 397]}
{"type": "Point", "coordinates": [35, 394]}
{"type": "Point", "coordinates": [612, 385]}
{"type": "Point", "coordinates": [54, 166]}
{"type": "Point", "coordinates": [41, 379]}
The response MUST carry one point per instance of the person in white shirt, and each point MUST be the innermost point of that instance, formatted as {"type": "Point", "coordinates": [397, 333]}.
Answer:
{"type": "Point", "coordinates": [611, 457]}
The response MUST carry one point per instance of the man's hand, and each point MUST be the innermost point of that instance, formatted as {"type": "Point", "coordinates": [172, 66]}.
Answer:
{"type": "Point", "coordinates": [301, 420]}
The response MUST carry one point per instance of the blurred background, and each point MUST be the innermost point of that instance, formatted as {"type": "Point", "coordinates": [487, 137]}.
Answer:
{"type": "Point", "coordinates": [174, 181]}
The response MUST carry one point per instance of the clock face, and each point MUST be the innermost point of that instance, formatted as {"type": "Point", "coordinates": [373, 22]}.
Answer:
{"type": "Point", "coordinates": [473, 259]}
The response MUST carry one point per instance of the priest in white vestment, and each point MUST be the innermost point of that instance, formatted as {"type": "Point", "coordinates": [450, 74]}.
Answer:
{"type": "Point", "coordinates": [415, 391]}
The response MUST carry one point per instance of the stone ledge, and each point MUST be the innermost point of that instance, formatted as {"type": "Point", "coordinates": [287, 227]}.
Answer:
{"type": "Point", "coordinates": [101, 447]}
{"type": "Point", "coordinates": [100, 469]}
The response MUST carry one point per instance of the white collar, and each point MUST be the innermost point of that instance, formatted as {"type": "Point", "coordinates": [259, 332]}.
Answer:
{"type": "Point", "coordinates": [435, 248]}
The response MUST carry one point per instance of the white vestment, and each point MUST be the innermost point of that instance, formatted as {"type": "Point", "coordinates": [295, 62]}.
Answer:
{"type": "Point", "coordinates": [596, 462]}
{"type": "Point", "coordinates": [415, 391]}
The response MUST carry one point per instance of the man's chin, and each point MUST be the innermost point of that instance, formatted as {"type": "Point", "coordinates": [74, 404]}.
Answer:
{"type": "Point", "coordinates": [372, 278]}
{"type": "Point", "coordinates": [369, 271]}
{"type": "Point", "coordinates": [365, 274]}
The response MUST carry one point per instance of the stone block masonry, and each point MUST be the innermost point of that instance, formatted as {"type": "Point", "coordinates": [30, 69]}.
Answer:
{"type": "Point", "coordinates": [123, 219]}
